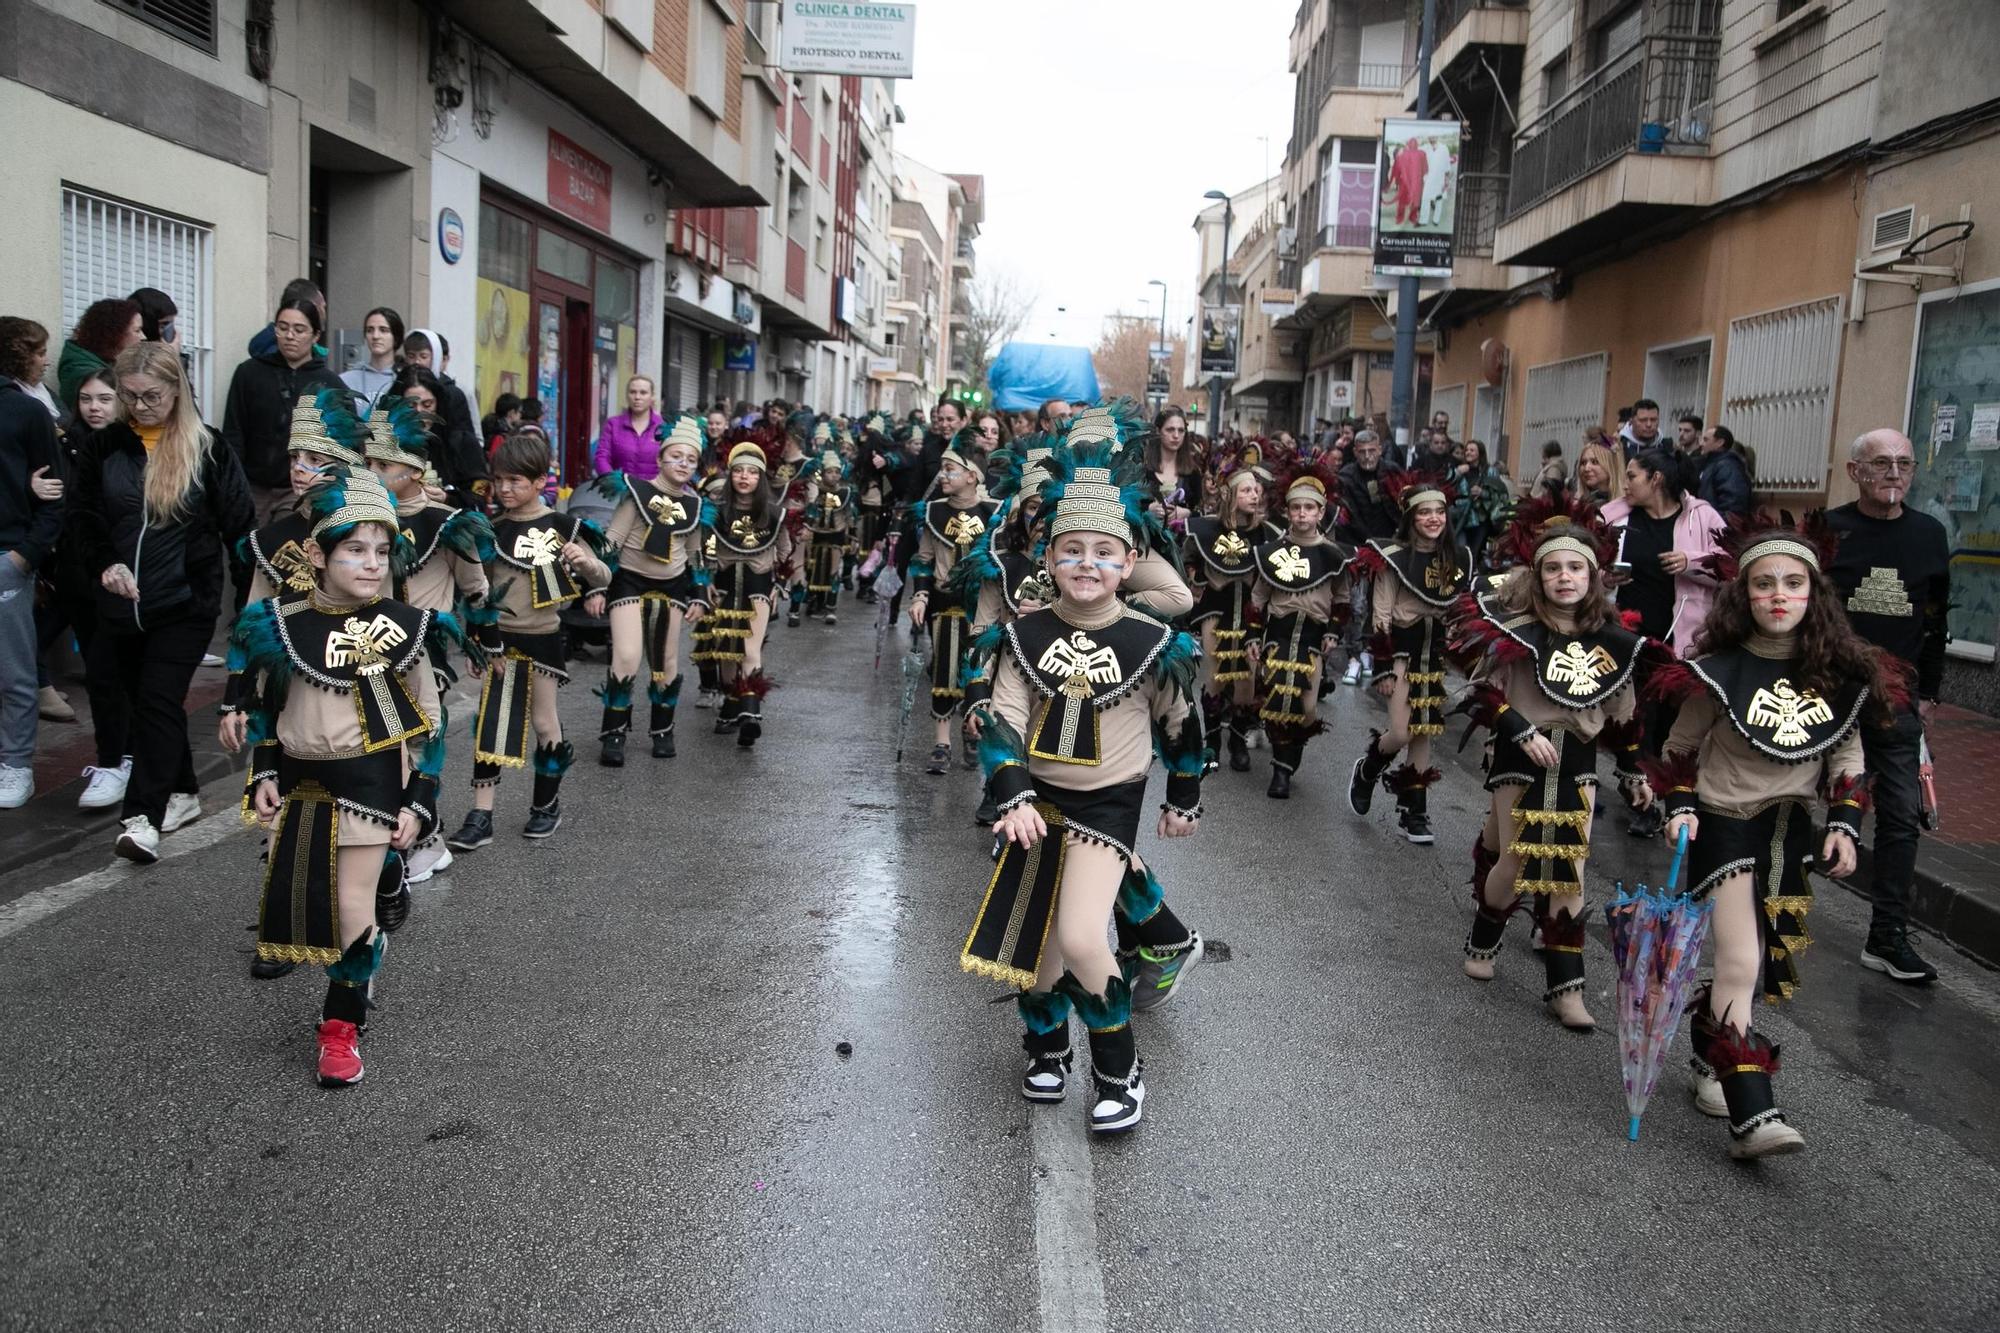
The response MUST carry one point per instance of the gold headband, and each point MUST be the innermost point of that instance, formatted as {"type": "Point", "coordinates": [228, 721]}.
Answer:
{"type": "Point", "coordinates": [748, 454]}
{"type": "Point", "coordinates": [1791, 546]}
{"type": "Point", "coordinates": [1311, 487]}
{"type": "Point", "coordinates": [1565, 542]}
{"type": "Point", "coordinates": [1427, 495]}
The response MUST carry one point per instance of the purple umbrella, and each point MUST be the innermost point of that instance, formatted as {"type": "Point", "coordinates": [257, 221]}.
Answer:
{"type": "Point", "coordinates": [1656, 937]}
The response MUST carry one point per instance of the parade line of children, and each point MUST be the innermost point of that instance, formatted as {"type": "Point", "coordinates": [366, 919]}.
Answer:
{"type": "Point", "coordinates": [1075, 641]}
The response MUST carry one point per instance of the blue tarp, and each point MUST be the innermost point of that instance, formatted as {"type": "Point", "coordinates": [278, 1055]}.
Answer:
{"type": "Point", "coordinates": [1026, 375]}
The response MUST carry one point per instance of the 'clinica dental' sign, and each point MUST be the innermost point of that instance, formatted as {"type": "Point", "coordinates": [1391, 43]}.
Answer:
{"type": "Point", "coordinates": [849, 37]}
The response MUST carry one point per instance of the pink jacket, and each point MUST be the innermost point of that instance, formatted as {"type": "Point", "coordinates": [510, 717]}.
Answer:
{"type": "Point", "coordinates": [1698, 531]}
{"type": "Point", "coordinates": [621, 449]}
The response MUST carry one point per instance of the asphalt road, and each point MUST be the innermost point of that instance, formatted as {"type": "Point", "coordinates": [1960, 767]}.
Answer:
{"type": "Point", "coordinates": [603, 1090]}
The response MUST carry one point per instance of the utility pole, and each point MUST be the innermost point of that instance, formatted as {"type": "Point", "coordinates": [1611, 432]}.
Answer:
{"type": "Point", "coordinates": [1222, 283]}
{"type": "Point", "coordinates": [1402, 393]}
{"type": "Point", "coordinates": [1165, 362]}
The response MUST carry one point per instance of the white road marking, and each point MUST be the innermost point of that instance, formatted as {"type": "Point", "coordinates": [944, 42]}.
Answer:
{"type": "Point", "coordinates": [44, 903]}
{"type": "Point", "coordinates": [1072, 1282]}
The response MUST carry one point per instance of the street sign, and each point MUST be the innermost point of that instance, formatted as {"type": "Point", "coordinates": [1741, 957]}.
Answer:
{"type": "Point", "coordinates": [839, 37]}
{"type": "Point", "coordinates": [1416, 196]}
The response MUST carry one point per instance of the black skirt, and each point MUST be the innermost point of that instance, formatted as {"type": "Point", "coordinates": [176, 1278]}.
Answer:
{"type": "Point", "coordinates": [627, 586]}
{"type": "Point", "coordinates": [1776, 848]}
{"type": "Point", "coordinates": [1552, 837]}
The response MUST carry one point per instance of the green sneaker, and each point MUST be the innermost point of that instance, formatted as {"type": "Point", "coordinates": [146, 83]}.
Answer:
{"type": "Point", "coordinates": [1161, 971]}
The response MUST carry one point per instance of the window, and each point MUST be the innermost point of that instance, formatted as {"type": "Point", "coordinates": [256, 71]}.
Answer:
{"type": "Point", "coordinates": [1555, 80]}
{"type": "Point", "coordinates": [111, 248]}
{"type": "Point", "coordinates": [1616, 35]}
{"type": "Point", "coordinates": [1354, 204]}
{"type": "Point", "coordinates": [1564, 399]}
{"type": "Point", "coordinates": [193, 21]}
{"type": "Point", "coordinates": [1777, 390]}
{"type": "Point", "coordinates": [708, 55]}
{"type": "Point", "coordinates": [1677, 379]}
{"type": "Point", "coordinates": [560, 257]}
{"type": "Point", "coordinates": [1787, 8]}
{"type": "Point", "coordinates": [617, 293]}
{"type": "Point", "coordinates": [1451, 400]}
{"type": "Point", "coordinates": [504, 240]}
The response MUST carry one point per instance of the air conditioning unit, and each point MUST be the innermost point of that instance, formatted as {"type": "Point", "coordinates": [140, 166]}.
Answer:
{"type": "Point", "coordinates": [1892, 230]}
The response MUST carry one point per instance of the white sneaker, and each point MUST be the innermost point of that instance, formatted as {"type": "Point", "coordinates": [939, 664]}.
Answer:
{"type": "Point", "coordinates": [1708, 1098]}
{"type": "Point", "coordinates": [1351, 676]}
{"type": "Point", "coordinates": [427, 860]}
{"type": "Point", "coordinates": [16, 786]}
{"type": "Point", "coordinates": [106, 787]}
{"type": "Point", "coordinates": [182, 810]}
{"type": "Point", "coordinates": [140, 841]}
{"type": "Point", "coordinates": [1367, 665]}
{"type": "Point", "coordinates": [210, 660]}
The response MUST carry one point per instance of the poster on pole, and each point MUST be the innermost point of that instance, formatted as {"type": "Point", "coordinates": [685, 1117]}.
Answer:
{"type": "Point", "coordinates": [1158, 356]}
{"type": "Point", "coordinates": [1416, 198]}
{"type": "Point", "coordinates": [849, 37]}
{"type": "Point", "coordinates": [1219, 325]}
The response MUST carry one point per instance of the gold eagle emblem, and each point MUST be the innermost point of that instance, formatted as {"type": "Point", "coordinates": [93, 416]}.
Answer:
{"type": "Point", "coordinates": [1441, 578]}
{"type": "Point", "coordinates": [666, 509]}
{"type": "Point", "coordinates": [1081, 663]}
{"type": "Point", "coordinates": [364, 644]}
{"type": "Point", "coordinates": [538, 546]}
{"type": "Point", "coordinates": [1578, 669]}
{"type": "Point", "coordinates": [1788, 712]}
{"type": "Point", "coordinates": [294, 570]}
{"type": "Point", "coordinates": [1290, 565]}
{"type": "Point", "coordinates": [1229, 546]}
{"type": "Point", "coordinates": [964, 529]}
{"type": "Point", "coordinates": [744, 531]}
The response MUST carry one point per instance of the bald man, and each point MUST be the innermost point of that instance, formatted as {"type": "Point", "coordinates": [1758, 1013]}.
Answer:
{"type": "Point", "coordinates": [1894, 576]}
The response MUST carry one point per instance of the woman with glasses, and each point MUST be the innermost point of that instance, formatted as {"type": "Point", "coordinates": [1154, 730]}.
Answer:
{"type": "Point", "coordinates": [257, 415]}
{"type": "Point", "coordinates": [156, 503]}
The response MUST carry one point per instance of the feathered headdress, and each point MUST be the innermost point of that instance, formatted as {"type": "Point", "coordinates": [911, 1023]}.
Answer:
{"type": "Point", "coordinates": [1550, 523]}
{"type": "Point", "coordinates": [1747, 541]}
{"type": "Point", "coordinates": [1410, 489]}
{"type": "Point", "coordinates": [799, 425]}
{"type": "Point", "coordinates": [324, 423]}
{"type": "Point", "coordinates": [1093, 488]}
{"type": "Point", "coordinates": [336, 506]}
{"type": "Point", "coordinates": [963, 450]}
{"type": "Point", "coordinates": [879, 427]}
{"type": "Point", "coordinates": [1119, 422]}
{"type": "Point", "coordinates": [687, 428]}
{"type": "Point", "coordinates": [822, 433]}
{"type": "Point", "coordinates": [826, 463]}
{"type": "Point", "coordinates": [1234, 458]}
{"type": "Point", "coordinates": [1316, 478]}
{"type": "Point", "coordinates": [764, 441]}
{"type": "Point", "coordinates": [398, 433]}
{"type": "Point", "coordinates": [1016, 470]}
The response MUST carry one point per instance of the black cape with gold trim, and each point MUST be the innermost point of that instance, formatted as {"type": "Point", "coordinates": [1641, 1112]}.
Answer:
{"type": "Point", "coordinates": [1574, 670]}
{"type": "Point", "coordinates": [1779, 720]}
{"type": "Point", "coordinates": [1421, 573]}
{"type": "Point", "coordinates": [1078, 673]}
{"type": "Point", "coordinates": [531, 546]}
{"type": "Point", "coordinates": [1290, 567]}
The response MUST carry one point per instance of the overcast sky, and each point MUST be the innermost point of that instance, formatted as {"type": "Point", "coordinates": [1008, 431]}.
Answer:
{"type": "Point", "coordinates": [1098, 125]}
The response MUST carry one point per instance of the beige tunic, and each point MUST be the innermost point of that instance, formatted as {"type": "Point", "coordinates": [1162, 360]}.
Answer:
{"type": "Point", "coordinates": [516, 601]}
{"type": "Point", "coordinates": [445, 577]}
{"type": "Point", "coordinates": [1735, 779]}
{"type": "Point", "coordinates": [1525, 696]}
{"type": "Point", "coordinates": [1396, 607]}
{"type": "Point", "coordinates": [628, 532]}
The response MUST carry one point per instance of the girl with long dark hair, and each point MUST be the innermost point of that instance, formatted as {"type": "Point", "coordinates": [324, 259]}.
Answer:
{"type": "Point", "coordinates": [753, 559]}
{"type": "Point", "coordinates": [1220, 554]}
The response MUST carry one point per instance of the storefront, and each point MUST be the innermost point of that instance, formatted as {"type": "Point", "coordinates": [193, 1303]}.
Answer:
{"type": "Point", "coordinates": [538, 281]}
{"type": "Point", "coordinates": [712, 328]}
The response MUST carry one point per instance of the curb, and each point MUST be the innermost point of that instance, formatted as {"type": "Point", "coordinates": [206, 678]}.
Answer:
{"type": "Point", "coordinates": [1965, 921]}
{"type": "Point", "coordinates": [63, 827]}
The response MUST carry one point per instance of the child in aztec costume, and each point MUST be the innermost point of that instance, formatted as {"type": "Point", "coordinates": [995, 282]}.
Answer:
{"type": "Point", "coordinates": [1771, 707]}
{"type": "Point", "coordinates": [752, 556]}
{"type": "Point", "coordinates": [1084, 692]}
{"type": "Point", "coordinates": [1553, 679]}
{"type": "Point", "coordinates": [1301, 600]}
{"type": "Point", "coordinates": [829, 520]}
{"type": "Point", "coordinates": [1417, 577]}
{"type": "Point", "coordinates": [714, 487]}
{"type": "Point", "coordinates": [1156, 585]}
{"type": "Point", "coordinates": [660, 584]}
{"type": "Point", "coordinates": [445, 569]}
{"type": "Point", "coordinates": [949, 524]}
{"type": "Point", "coordinates": [342, 713]}
{"type": "Point", "coordinates": [804, 433]}
{"type": "Point", "coordinates": [325, 434]}
{"type": "Point", "coordinates": [876, 461]}
{"type": "Point", "coordinates": [543, 561]}
{"type": "Point", "coordinates": [1221, 556]}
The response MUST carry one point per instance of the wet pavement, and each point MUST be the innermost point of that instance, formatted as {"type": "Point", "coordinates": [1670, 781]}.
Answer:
{"type": "Point", "coordinates": [604, 1089]}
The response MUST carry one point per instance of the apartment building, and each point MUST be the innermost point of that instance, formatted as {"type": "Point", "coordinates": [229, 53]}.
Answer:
{"type": "Point", "coordinates": [933, 217]}
{"type": "Point", "coordinates": [1264, 394]}
{"type": "Point", "coordinates": [1706, 202]}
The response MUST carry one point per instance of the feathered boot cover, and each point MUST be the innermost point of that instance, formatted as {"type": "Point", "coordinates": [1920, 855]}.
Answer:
{"type": "Point", "coordinates": [551, 762]}
{"type": "Point", "coordinates": [1045, 1015]}
{"type": "Point", "coordinates": [1562, 950]}
{"type": "Point", "coordinates": [349, 980]}
{"type": "Point", "coordinates": [1744, 1062]}
{"type": "Point", "coordinates": [750, 690]}
{"type": "Point", "coordinates": [665, 697]}
{"type": "Point", "coordinates": [1115, 1067]}
{"type": "Point", "coordinates": [1410, 786]}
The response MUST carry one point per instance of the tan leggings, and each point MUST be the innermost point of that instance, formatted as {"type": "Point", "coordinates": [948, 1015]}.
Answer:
{"type": "Point", "coordinates": [1498, 890]}
{"type": "Point", "coordinates": [628, 640]}
{"type": "Point", "coordinates": [1078, 941]}
{"type": "Point", "coordinates": [1243, 692]}
{"type": "Point", "coordinates": [1398, 735]}
{"type": "Point", "coordinates": [548, 728]}
{"type": "Point", "coordinates": [1739, 949]}
{"type": "Point", "coordinates": [753, 642]}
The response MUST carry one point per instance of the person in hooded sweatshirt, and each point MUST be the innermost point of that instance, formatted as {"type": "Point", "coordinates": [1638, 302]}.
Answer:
{"type": "Point", "coordinates": [257, 414]}
{"type": "Point", "coordinates": [462, 465]}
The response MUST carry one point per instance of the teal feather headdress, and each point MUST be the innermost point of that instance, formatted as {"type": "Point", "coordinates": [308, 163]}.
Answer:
{"type": "Point", "coordinates": [1119, 421]}
{"type": "Point", "coordinates": [880, 426]}
{"type": "Point", "coordinates": [324, 423]}
{"type": "Point", "coordinates": [1016, 470]}
{"type": "Point", "coordinates": [687, 428]}
{"type": "Point", "coordinates": [397, 433]}
{"type": "Point", "coordinates": [342, 502]}
{"type": "Point", "coordinates": [1093, 488]}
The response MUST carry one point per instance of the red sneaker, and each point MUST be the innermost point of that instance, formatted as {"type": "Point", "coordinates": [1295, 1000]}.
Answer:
{"type": "Point", "coordinates": [339, 1054]}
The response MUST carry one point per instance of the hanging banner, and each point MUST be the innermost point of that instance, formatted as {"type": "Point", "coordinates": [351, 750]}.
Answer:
{"type": "Point", "coordinates": [1416, 197]}
{"type": "Point", "coordinates": [1219, 324]}
{"type": "Point", "coordinates": [849, 37]}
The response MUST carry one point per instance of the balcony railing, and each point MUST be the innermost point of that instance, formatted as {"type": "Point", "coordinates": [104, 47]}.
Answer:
{"type": "Point", "coordinates": [1659, 97]}
{"type": "Point", "coordinates": [1365, 76]}
{"type": "Point", "coordinates": [1481, 196]}
{"type": "Point", "coordinates": [1449, 12]}
{"type": "Point", "coordinates": [1346, 236]}
{"type": "Point", "coordinates": [795, 270]}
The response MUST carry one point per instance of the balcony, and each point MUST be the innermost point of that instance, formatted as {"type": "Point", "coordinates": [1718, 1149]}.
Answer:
{"type": "Point", "coordinates": [1621, 152]}
{"type": "Point", "coordinates": [1477, 41]}
{"type": "Point", "coordinates": [1367, 77]}
{"type": "Point", "coordinates": [961, 258]}
{"type": "Point", "coordinates": [1345, 236]}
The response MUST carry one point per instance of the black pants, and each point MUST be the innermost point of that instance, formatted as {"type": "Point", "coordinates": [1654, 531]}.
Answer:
{"type": "Point", "coordinates": [154, 666]}
{"type": "Point", "coordinates": [74, 609]}
{"type": "Point", "coordinates": [1891, 756]}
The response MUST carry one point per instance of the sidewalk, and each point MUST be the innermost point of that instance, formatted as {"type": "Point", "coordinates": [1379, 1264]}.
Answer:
{"type": "Point", "coordinates": [1958, 866]}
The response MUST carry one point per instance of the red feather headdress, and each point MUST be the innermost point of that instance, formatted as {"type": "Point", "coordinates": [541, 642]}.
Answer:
{"type": "Point", "coordinates": [1551, 518]}
{"type": "Point", "coordinates": [1811, 539]}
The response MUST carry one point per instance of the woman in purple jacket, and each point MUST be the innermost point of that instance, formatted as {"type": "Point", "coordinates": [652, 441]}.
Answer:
{"type": "Point", "coordinates": [626, 443]}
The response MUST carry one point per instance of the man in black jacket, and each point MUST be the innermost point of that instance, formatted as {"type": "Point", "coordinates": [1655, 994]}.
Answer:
{"type": "Point", "coordinates": [29, 527]}
{"type": "Point", "coordinates": [1894, 576]}
{"type": "Point", "coordinates": [1367, 510]}
{"type": "Point", "coordinates": [1722, 480]}
{"type": "Point", "coordinates": [257, 414]}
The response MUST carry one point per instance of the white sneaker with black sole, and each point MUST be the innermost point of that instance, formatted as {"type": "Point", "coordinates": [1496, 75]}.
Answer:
{"type": "Point", "coordinates": [105, 787]}
{"type": "Point", "coordinates": [139, 842]}
{"type": "Point", "coordinates": [182, 810]}
{"type": "Point", "coordinates": [1120, 1102]}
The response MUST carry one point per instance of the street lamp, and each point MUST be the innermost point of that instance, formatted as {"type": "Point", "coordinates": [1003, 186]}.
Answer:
{"type": "Point", "coordinates": [1222, 275]}
{"type": "Point", "coordinates": [1163, 344]}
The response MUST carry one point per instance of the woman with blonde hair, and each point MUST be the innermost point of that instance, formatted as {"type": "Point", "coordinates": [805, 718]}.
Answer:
{"type": "Point", "coordinates": [155, 505]}
{"type": "Point", "coordinates": [1596, 467]}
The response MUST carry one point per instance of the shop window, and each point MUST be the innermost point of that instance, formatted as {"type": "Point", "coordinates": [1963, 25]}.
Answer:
{"type": "Point", "coordinates": [1564, 398]}
{"type": "Point", "coordinates": [1955, 423]}
{"type": "Point", "coordinates": [560, 257]}
{"type": "Point", "coordinates": [504, 244]}
{"type": "Point", "coordinates": [110, 248]}
{"type": "Point", "coordinates": [617, 293]}
{"type": "Point", "coordinates": [1777, 391]}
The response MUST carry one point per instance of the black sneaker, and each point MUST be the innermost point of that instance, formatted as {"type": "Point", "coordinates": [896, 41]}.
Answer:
{"type": "Point", "coordinates": [1159, 972]}
{"type": "Point", "coordinates": [968, 752]}
{"type": "Point", "coordinates": [269, 969]}
{"type": "Point", "coordinates": [663, 745]}
{"type": "Point", "coordinates": [1119, 1102]}
{"type": "Point", "coordinates": [1239, 753]}
{"type": "Point", "coordinates": [1893, 956]}
{"type": "Point", "coordinates": [1360, 791]}
{"type": "Point", "coordinates": [1647, 823]}
{"type": "Point", "coordinates": [1416, 827]}
{"type": "Point", "coordinates": [543, 820]}
{"type": "Point", "coordinates": [474, 833]}
{"type": "Point", "coordinates": [831, 619]}
{"type": "Point", "coordinates": [791, 620]}
{"type": "Point", "coordinates": [940, 762]}
{"type": "Point", "coordinates": [748, 732]}
{"type": "Point", "coordinates": [1281, 785]}
{"type": "Point", "coordinates": [393, 909]}
{"type": "Point", "coordinates": [613, 753]}
{"type": "Point", "coordinates": [725, 725]}
{"type": "Point", "coordinates": [1047, 1079]}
